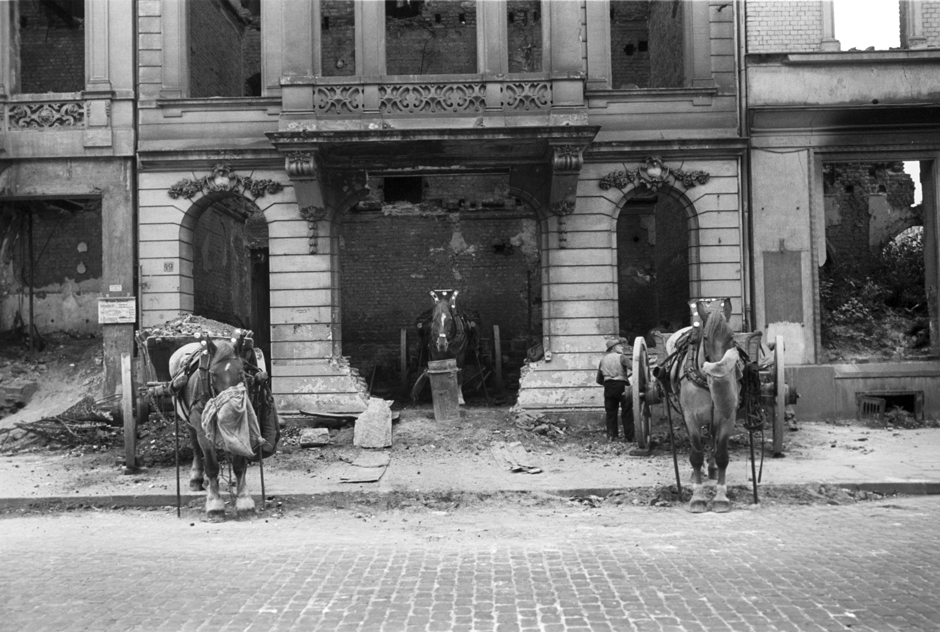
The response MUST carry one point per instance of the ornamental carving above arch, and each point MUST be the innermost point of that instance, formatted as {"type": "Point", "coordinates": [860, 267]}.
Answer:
{"type": "Point", "coordinates": [224, 178]}
{"type": "Point", "coordinates": [652, 175]}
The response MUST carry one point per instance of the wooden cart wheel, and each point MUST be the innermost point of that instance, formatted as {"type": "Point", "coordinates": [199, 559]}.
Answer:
{"type": "Point", "coordinates": [640, 382]}
{"type": "Point", "coordinates": [780, 404]}
{"type": "Point", "coordinates": [143, 410]}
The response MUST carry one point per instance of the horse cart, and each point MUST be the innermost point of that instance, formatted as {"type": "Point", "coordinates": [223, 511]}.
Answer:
{"type": "Point", "coordinates": [763, 391]}
{"type": "Point", "coordinates": [202, 372]}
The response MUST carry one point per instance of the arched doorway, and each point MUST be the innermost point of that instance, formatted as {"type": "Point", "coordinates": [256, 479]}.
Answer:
{"type": "Point", "coordinates": [416, 234]}
{"type": "Point", "coordinates": [654, 253]}
{"type": "Point", "coordinates": [230, 266]}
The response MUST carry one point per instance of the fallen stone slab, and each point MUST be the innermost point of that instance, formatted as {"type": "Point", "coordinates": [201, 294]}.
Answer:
{"type": "Point", "coordinates": [374, 426]}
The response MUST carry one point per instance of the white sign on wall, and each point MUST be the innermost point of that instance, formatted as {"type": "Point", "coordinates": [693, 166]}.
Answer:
{"type": "Point", "coordinates": [115, 311]}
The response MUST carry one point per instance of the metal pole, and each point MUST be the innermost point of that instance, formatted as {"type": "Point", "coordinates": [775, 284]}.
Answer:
{"type": "Point", "coordinates": [31, 279]}
{"type": "Point", "coordinates": [750, 435]}
{"type": "Point", "coordinates": [176, 417]}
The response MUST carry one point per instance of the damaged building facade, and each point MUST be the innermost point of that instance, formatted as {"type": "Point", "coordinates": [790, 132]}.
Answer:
{"type": "Point", "coordinates": [578, 170]}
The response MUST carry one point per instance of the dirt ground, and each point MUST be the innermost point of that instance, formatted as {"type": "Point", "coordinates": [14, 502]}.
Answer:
{"type": "Point", "coordinates": [65, 456]}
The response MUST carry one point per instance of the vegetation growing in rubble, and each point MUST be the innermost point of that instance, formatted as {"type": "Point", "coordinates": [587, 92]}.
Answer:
{"type": "Point", "coordinates": [879, 313]}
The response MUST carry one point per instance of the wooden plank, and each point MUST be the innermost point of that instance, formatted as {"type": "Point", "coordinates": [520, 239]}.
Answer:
{"type": "Point", "coordinates": [130, 421]}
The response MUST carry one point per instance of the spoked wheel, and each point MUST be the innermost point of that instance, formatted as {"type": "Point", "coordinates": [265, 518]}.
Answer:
{"type": "Point", "coordinates": [780, 404]}
{"type": "Point", "coordinates": [641, 381]}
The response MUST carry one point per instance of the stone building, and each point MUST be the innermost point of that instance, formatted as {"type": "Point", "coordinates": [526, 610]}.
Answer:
{"type": "Point", "coordinates": [576, 169]}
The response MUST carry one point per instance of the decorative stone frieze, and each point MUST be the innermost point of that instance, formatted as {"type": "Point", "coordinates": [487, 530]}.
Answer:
{"type": "Point", "coordinates": [337, 100]}
{"type": "Point", "coordinates": [527, 95]}
{"type": "Point", "coordinates": [432, 98]}
{"type": "Point", "coordinates": [223, 178]}
{"type": "Point", "coordinates": [652, 175]}
{"type": "Point", "coordinates": [42, 116]}
{"type": "Point", "coordinates": [562, 210]}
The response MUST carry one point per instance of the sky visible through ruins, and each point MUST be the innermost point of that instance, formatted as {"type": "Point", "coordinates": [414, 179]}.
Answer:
{"type": "Point", "coordinates": [861, 24]}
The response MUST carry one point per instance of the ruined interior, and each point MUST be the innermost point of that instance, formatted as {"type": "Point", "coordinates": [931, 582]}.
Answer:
{"type": "Point", "coordinates": [646, 44]}
{"type": "Point", "coordinates": [225, 49]}
{"type": "Point", "coordinates": [51, 38]}
{"type": "Point", "coordinates": [420, 233]}
{"type": "Point", "coordinates": [653, 241]}
{"type": "Point", "coordinates": [873, 302]}
{"type": "Point", "coordinates": [50, 266]}
{"type": "Point", "coordinates": [430, 37]}
{"type": "Point", "coordinates": [230, 267]}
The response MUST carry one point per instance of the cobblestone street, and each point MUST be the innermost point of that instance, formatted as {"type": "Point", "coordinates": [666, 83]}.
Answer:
{"type": "Point", "coordinates": [547, 566]}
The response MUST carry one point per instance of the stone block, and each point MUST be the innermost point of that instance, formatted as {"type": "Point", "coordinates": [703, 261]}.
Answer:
{"type": "Point", "coordinates": [18, 391]}
{"type": "Point", "coordinates": [314, 437]}
{"type": "Point", "coordinates": [374, 426]}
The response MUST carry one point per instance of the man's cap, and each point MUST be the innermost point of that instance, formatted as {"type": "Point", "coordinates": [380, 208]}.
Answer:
{"type": "Point", "coordinates": [613, 343]}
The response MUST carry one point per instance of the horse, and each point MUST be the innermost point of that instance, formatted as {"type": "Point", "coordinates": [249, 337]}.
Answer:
{"type": "Point", "coordinates": [202, 371]}
{"type": "Point", "coordinates": [447, 333]}
{"type": "Point", "coordinates": [706, 370]}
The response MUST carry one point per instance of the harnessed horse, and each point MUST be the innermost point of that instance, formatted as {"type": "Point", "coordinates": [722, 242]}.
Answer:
{"type": "Point", "coordinates": [206, 375]}
{"type": "Point", "coordinates": [446, 332]}
{"type": "Point", "coordinates": [705, 368]}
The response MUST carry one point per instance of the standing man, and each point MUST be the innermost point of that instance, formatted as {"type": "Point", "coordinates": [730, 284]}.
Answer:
{"type": "Point", "coordinates": [613, 373]}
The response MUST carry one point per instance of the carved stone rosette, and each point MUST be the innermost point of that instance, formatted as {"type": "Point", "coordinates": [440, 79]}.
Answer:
{"type": "Point", "coordinates": [313, 215]}
{"type": "Point", "coordinates": [224, 178]}
{"type": "Point", "coordinates": [41, 116]}
{"type": "Point", "coordinates": [652, 175]}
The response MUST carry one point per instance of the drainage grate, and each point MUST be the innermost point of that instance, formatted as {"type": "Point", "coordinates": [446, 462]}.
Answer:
{"type": "Point", "coordinates": [871, 408]}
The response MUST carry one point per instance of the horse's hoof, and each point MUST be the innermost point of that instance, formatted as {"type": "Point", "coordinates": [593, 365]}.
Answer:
{"type": "Point", "coordinates": [698, 506]}
{"type": "Point", "coordinates": [721, 506]}
{"type": "Point", "coordinates": [244, 505]}
{"type": "Point", "coordinates": [196, 485]}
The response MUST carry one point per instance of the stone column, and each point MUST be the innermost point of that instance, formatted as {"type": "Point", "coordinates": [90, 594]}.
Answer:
{"type": "Point", "coordinates": [914, 11]}
{"type": "Point", "coordinates": [272, 45]}
{"type": "Point", "coordinates": [492, 53]}
{"type": "Point", "coordinates": [297, 25]}
{"type": "Point", "coordinates": [598, 45]}
{"type": "Point", "coordinates": [829, 43]}
{"type": "Point", "coordinates": [930, 181]}
{"type": "Point", "coordinates": [6, 57]}
{"type": "Point", "coordinates": [564, 45]}
{"type": "Point", "coordinates": [175, 84]}
{"type": "Point", "coordinates": [698, 46]}
{"type": "Point", "coordinates": [97, 44]}
{"type": "Point", "coordinates": [370, 38]}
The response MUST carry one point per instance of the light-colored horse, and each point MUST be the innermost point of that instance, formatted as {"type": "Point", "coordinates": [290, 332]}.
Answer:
{"type": "Point", "coordinates": [224, 368]}
{"type": "Point", "coordinates": [707, 380]}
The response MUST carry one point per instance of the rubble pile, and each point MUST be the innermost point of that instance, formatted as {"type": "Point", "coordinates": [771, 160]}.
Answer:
{"type": "Point", "coordinates": [536, 423]}
{"type": "Point", "coordinates": [189, 325]}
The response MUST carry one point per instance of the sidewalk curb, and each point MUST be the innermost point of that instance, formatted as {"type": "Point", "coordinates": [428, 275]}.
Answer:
{"type": "Point", "coordinates": [338, 500]}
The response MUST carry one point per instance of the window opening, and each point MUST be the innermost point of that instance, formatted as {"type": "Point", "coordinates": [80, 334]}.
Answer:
{"type": "Point", "coordinates": [403, 189]}
{"type": "Point", "coordinates": [51, 45]}
{"type": "Point", "coordinates": [338, 38]}
{"type": "Point", "coordinates": [524, 36]}
{"type": "Point", "coordinates": [873, 301]}
{"type": "Point", "coordinates": [224, 49]}
{"type": "Point", "coordinates": [867, 24]}
{"type": "Point", "coordinates": [418, 43]}
{"type": "Point", "coordinates": [646, 44]}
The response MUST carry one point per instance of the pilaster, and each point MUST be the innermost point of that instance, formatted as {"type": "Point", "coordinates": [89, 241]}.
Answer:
{"type": "Point", "coordinates": [175, 84]}
{"type": "Point", "coordinates": [97, 46]}
{"type": "Point", "coordinates": [829, 43]}
{"type": "Point", "coordinates": [698, 47]}
{"type": "Point", "coordinates": [370, 38]}
{"type": "Point", "coordinates": [298, 45]}
{"type": "Point", "coordinates": [492, 52]}
{"type": "Point", "coordinates": [6, 44]}
{"type": "Point", "coordinates": [598, 44]}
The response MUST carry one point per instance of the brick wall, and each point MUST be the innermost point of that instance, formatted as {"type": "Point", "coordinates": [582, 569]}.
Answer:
{"type": "Point", "coordinates": [667, 68]}
{"type": "Point", "coordinates": [629, 25]}
{"type": "Point", "coordinates": [424, 45]}
{"type": "Point", "coordinates": [390, 261]}
{"type": "Point", "coordinates": [931, 21]}
{"type": "Point", "coordinates": [783, 25]}
{"type": "Point", "coordinates": [338, 37]}
{"type": "Point", "coordinates": [221, 269]}
{"type": "Point", "coordinates": [850, 189]}
{"type": "Point", "coordinates": [215, 43]}
{"type": "Point", "coordinates": [52, 50]}
{"type": "Point", "coordinates": [66, 245]}
{"type": "Point", "coordinates": [525, 35]}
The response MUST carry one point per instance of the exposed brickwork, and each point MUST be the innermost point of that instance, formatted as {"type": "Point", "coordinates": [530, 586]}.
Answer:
{"type": "Point", "coordinates": [849, 222]}
{"type": "Point", "coordinates": [422, 45]}
{"type": "Point", "coordinates": [931, 21]}
{"type": "Point", "coordinates": [629, 25]}
{"type": "Point", "coordinates": [783, 26]}
{"type": "Point", "coordinates": [666, 45]}
{"type": "Point", "coordinates": [391, 261]}
{"type": "Point", "coordinates": [216, 67]}
{"type": "Point", "coordinates": [338, 37]}
{"type": "Point", "coordinates": [66, 245]}
{"type": "Point", "coordinates": [525, 35]}
{"type": "Point", "coordinates": [222, 269]}
{"type": "Point", "coordinates": [52, 50]}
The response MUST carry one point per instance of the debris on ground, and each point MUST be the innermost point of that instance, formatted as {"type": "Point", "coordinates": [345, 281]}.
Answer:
{"type": "Point", "coordinates": [536, 423]}
{"type": "Point", "coordinates": [190, 325]}
{"type": "Point", "coordinates": [314, 437]}
{"type": "Point", "coordinates": [514, 456]}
